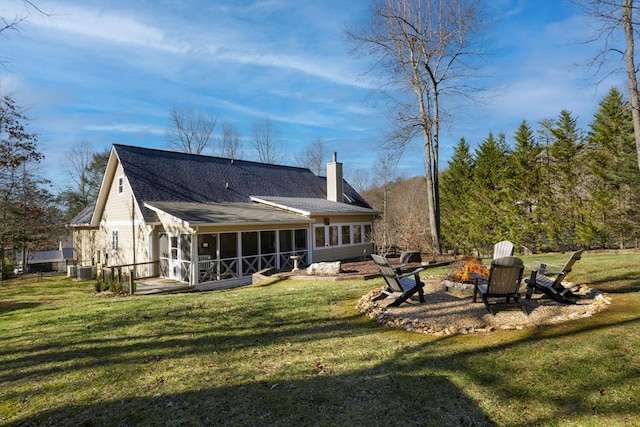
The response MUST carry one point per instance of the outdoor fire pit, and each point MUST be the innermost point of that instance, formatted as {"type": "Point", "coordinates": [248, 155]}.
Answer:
{"type": "Point", "coordinates": [457, 289]}
{"type": "Point", "coordinates": [460, 282]}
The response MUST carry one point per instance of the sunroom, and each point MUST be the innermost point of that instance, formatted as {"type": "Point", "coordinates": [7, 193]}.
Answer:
{"type": "Point", "coordinates": [222, 245]}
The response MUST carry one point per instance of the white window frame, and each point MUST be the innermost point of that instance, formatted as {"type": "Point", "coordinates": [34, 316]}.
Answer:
{"type": "Point", "coordinates": [115, 241]}
{"type": "Point", "coordinates": [352, 237]}
{"type": "Point", "coordinates": [120, 184]}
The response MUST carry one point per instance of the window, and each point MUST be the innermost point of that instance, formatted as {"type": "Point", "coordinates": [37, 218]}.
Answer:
{"type": "Point", "coordinates": [342, 235]}
{"type": "Point", "coordinates": [333, 235]}
{"type": "Point", "coordinates": [346, 235]}
{"type": "Point", "coordinates": [114, 240]}
{"type": "Point", "coordinates": [357, 234]}
{"type": "Point", "coordinates": [174, 247]}
{"type": "Point", "coordinates": [120, 185]}
{"type": "Point", "coordinates": [367, 233]}
{"type": "Point", "coordinates": [320, 238]}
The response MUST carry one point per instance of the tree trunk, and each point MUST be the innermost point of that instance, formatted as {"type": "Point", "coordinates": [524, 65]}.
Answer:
{"type": "Point", "coordinates": [634, 95]}
{"type": "Point", "coordinates": [433, 209]}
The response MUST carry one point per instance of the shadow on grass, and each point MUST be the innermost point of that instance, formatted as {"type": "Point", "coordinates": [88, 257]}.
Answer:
{"type": "Point", "coordinates": [612, 285]}
{"type": "Point", "coordinates": [7, 307]}
{"type": "Point", "coordinates": [415, 380]}
{"type": "Point", "coordinates": [83, 362]}
{"type": "Point", "coordinates": [366, 398]}
{"type": "Point", "coordinates": [413, 387]}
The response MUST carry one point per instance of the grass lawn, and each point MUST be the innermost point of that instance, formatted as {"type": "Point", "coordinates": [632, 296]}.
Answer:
{"type": "Point", "coordinates": [297, 353]}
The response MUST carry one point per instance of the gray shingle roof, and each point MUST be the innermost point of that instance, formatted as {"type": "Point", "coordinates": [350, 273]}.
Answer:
{"type": "Point", "coordinates": [157, 175]}
{"type": "Point", "coordinates": [226, 213]}
{"type": "Point", "coordinates": [167, 176]}
{"type": "Point", "coordinates": [50, 256]}
{"type": "Point", "coordinates": [310, 206]}
{"type": "Point", "coordinates": [84, 217]}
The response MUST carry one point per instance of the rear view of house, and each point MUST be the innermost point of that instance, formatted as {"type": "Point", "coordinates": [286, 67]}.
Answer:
{"type": "Point", "coordinates": [212, 222]}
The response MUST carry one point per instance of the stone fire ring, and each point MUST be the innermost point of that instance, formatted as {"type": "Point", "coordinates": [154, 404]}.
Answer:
{"type": "Point", "coordinates": [449, 310]}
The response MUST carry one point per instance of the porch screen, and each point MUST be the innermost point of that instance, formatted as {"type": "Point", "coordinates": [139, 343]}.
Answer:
{"type": "Point", "coordinates": [208, 245]}
{"type": "Point", "coordinates": [267, 242]}
{"type": "Point", "coordinates": [301, 239]}
{"type": "Point", "coordinates": [228, 245]}
{"type": "Point", "coordinates": [249, 243]}
{"type": "Point", "coordinates": [185, 247]}
{"type": "Point", "coordinates": [286, 241]}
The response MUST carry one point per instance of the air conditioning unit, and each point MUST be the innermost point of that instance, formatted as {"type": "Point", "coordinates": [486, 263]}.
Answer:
{"type": "Point", "coordinates": [85, 273]}
{"type": "Point", "coordinates": [72, 271]}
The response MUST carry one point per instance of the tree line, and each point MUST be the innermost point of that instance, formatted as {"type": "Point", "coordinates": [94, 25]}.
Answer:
{"type": "Point", "coordinates": [554, 188]}
{"type": "Point", "coordinates": [28, 212]}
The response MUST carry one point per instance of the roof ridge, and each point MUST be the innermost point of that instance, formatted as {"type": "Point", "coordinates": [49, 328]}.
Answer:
{"type": "Point", "coordinates": [181, 153]}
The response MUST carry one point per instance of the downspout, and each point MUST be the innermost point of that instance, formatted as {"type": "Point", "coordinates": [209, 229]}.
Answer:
{"type": "Point", "coordinates": [195, 264]}
{"type": "Point", "coordinates": [133, 243]}
{"type": "Point", "coordinates": [310, 239]}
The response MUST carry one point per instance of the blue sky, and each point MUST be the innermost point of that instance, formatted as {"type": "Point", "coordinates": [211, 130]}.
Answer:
{"type": "Point", "coordinates": [110, 71]}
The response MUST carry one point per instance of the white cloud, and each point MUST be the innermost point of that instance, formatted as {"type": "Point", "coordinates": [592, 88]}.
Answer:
{"type": "Point", "coordinates": [127, 128]}
{"type": "Point", "coordinates": [226, 41]}
{"type": "Point", "coordinates": [325, 69]}
{"type": "Point", "coordinates": [112, 26]}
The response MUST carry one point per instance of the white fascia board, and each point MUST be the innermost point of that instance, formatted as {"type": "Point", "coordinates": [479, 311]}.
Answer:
{"type": "Point", "coordinates": [107, 178]}
{"type": "Point", "coordinates": [137, 222]}
{"type": "Point", "coordinates": [160, 211]}
{"type": "Point", "coordinates": [279, 206]}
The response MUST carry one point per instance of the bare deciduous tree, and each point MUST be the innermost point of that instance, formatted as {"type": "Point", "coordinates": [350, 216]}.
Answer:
{"type": "Point", "coordinates": [77, 168]}
{"type": "Point", "coordinates": [385, 231]}
{"type": "Point", "coordinates": [360, 179]}
{"type": "Point", "coordinates": [421, 47]}
{"type": "Point", "coordinates": [85, 168]}
{"type": "Point", "coordinates": [313, 157]}
{"type": "Point", "coordinates": [13, 24]}
{"type": "Point", "coordinates": [615, 16]}
{"type": "Point", "coordinates": [266, 141]}
{"type": "Point", "coordinates": [23, 197]}
{"type": "Point", "coordinates": [189, 131]}
{"type": "Point", "coordinates": [230, 141]}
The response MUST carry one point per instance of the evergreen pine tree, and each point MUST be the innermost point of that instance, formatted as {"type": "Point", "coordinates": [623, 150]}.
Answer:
{"type": "Point", "coordinates": [489, 203]}
{"type": "Point", "coordinates": [525, 189]}
{"type": "Point", "coordinates": [566, 190]}
{"type": "Point", "coordinates": [614, 176]}
{"type": "Point", "coordinates": [456, 184]}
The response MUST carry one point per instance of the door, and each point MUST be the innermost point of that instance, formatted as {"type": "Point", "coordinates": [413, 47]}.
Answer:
{"type": "Point", "coordinates": [174, 262]}
{"type": "Point", "coordinates": [179, 257]}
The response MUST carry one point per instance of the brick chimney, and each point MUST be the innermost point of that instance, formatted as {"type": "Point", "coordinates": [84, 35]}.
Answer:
{"type": "Point", "coordinates": [334, 180]}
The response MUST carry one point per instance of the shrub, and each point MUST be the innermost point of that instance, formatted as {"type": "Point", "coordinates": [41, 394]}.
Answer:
{"type": "Point", "coordinates": [7, 269]}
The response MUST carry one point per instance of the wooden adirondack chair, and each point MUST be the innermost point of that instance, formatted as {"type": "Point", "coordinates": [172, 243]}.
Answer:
{"type": "Point", "coordinates": [547, 278]}
{"type": "Point", "coordinates": [504, 281]}
{"type": "Point", "coordinates": [502, 249]}
{"type": "Point", "coordinates": [399, 286]}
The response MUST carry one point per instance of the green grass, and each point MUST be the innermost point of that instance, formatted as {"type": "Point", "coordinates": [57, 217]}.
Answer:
{"type": "Point", "coordinates": [297, 353]}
